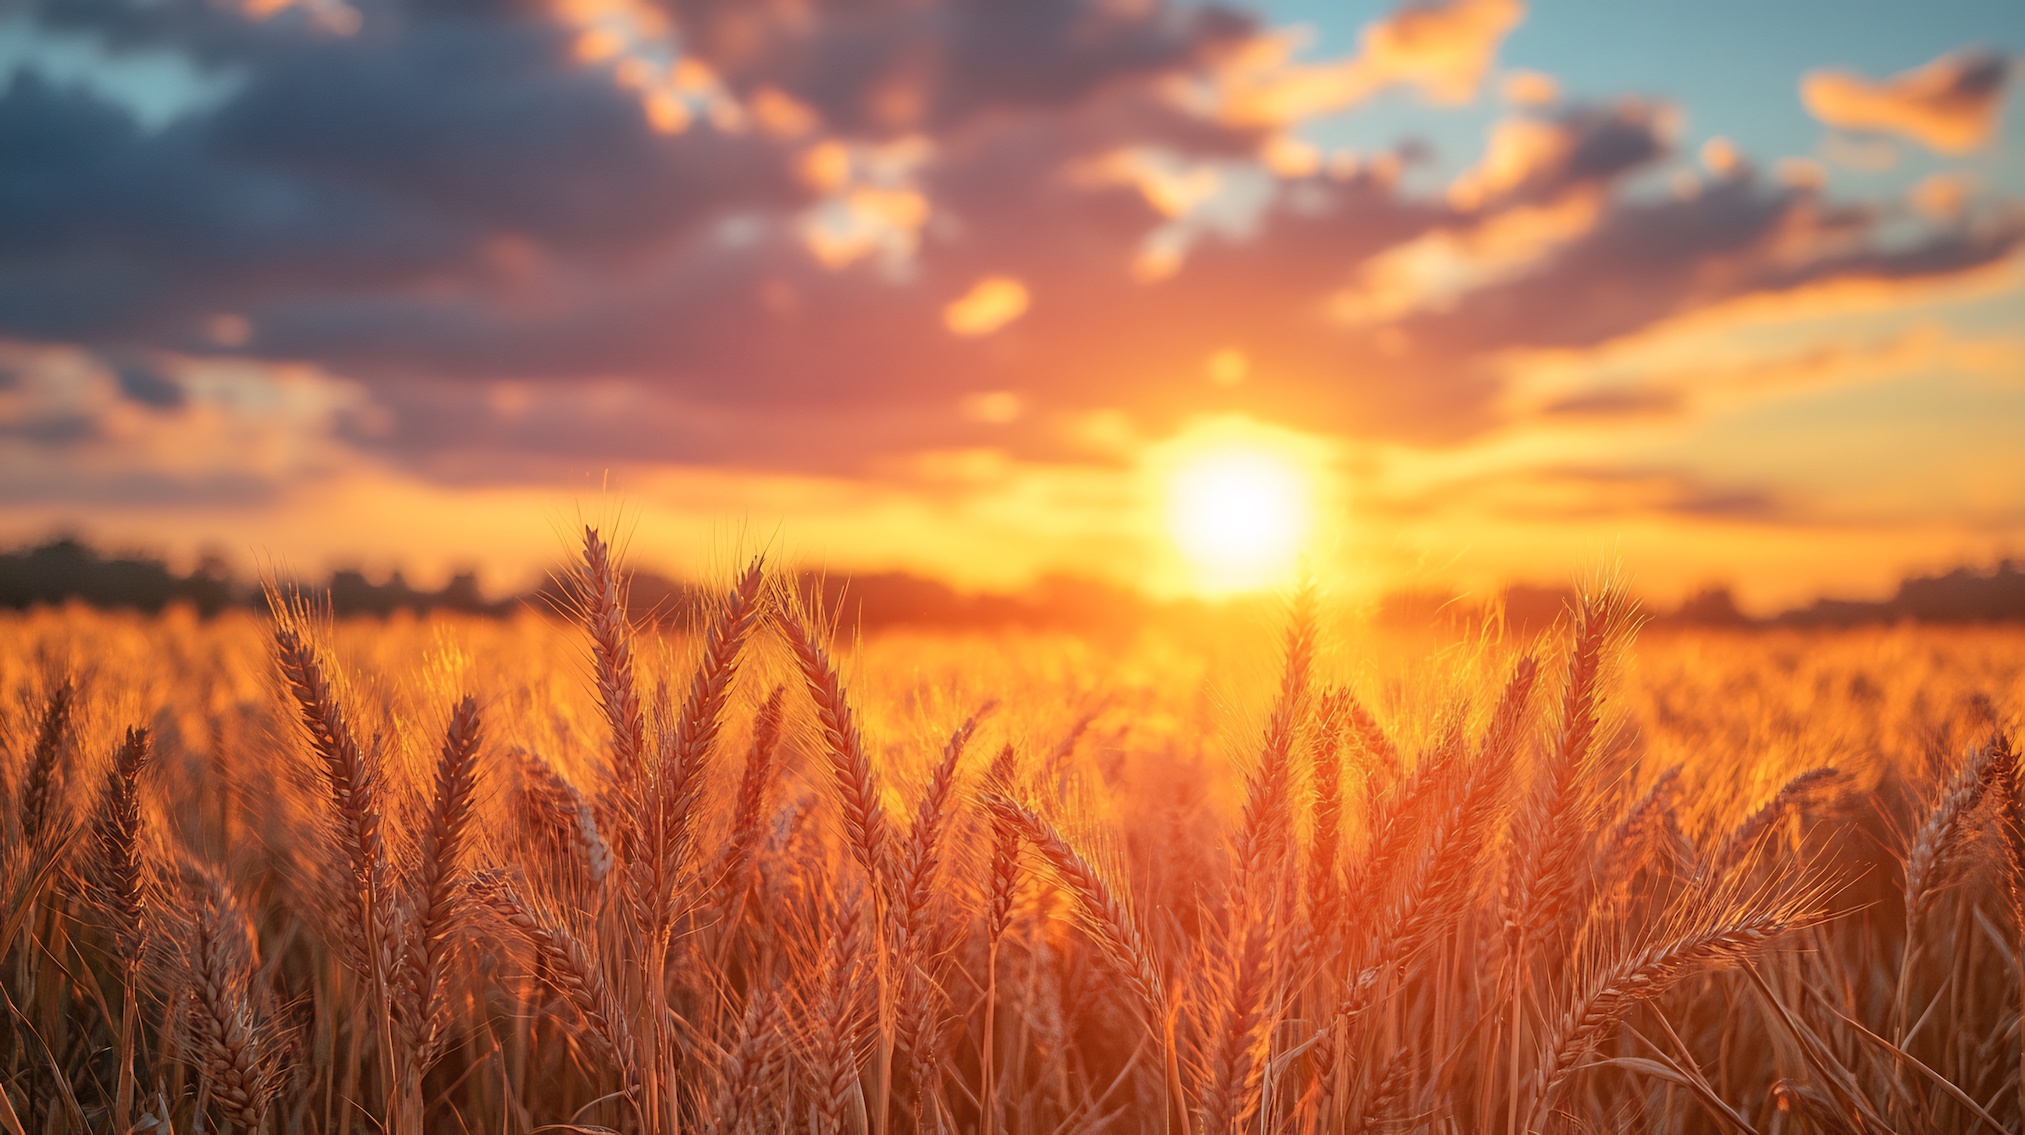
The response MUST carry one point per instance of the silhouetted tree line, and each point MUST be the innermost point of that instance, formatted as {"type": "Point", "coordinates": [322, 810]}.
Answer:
{"type": "Point", "coordinates": [1964, 595]}
{"type": "Point", "coordinates": [66, 570]}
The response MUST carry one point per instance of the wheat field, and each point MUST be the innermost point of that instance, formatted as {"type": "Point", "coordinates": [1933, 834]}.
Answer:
{"type": "Point", "coordinates": [750, 873]}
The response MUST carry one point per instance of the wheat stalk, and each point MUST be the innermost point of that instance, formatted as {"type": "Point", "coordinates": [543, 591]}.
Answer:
{"type": "Point", "coordinates": [39, 782]}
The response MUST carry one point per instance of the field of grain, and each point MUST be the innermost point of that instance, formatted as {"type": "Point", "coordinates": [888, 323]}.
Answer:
{"type": "Point", "coordinates": [1294, 876]}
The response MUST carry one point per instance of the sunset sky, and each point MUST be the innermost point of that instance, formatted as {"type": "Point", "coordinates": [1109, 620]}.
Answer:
{"type": "Point", "coordinates": [1444, 294]}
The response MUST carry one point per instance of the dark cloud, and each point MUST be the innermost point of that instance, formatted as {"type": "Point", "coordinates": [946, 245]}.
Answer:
{"type": "Point", "coordinates": [449, 200]}
{"type": "Point", "coordinates": [109, 233]}
{"type": "Point", "coordinates": [1532, 160]}
{"type": "Point", "coordinates": [492, 124]}
{"type": "Point", "coordinates": [144, 382]}
{"type": "Point", "coordinates": [887, 67]}
{"type": "Point", "coordinates": [1738, 236]}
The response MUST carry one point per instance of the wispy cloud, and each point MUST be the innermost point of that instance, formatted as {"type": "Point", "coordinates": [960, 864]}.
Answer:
{"type": "Point", "coordinates": [1950, 104]}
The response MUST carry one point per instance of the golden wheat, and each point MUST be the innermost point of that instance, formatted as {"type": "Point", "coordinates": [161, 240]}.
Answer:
{"type": "Point", "coordinates": [1722, 882]}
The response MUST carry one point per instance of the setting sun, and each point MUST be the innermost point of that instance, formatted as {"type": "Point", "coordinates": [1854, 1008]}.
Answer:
{"type": "Point", "coordinates": [1239, 515]}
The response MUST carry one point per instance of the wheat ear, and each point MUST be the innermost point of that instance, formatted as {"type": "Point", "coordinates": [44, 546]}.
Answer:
{"type": "Point", "coordinates": [750, 1068]}
{"type": "Point", "coordinates": [1642, 975]}
{"type": "Point", "coordinates": [1238, 1058]}
{"type": "Point", "coordinates": [436, 892]}
{"type": "Point", "coordinates": [836, 1023]}
{"type": "Point", "coordinates": [119, 878]}
{"type": "Point", "coordinates": [569, 966]}
{"type": "Point", "coordinates": [554, 809]}
{"type": "Point", "coordinates": [843, 748]}
{"type": "Point", "coordinates": [1549, 841]}
{"type": "Point", "coordinates": [923, 851]}
{"type": "Point", "coordinates": [1325, 787]}
{"type": "Point", "coordinates": [672, 800]}
{"type": "Point", "coordinates": [1934, 861]}
{"type": "Point", "coordinates": [351, 782]}
{"type": "Point", "coordinates": [598, 591]}
{"type": "Point", "coordinates": [735, 861]}
{"type": "Point", "coordinates": [1935, 856]}
{"type": "Point", "coordinates": [238, 1054]}
{"type": "Point", "coordinates": [39, 782]}
{"type": "Point", "coordinates": [1102, 912]}
{"type": "Point", "coordinates": [120, 868]}
{"type": "Point", "coordinates": [1796, 795]}
{"type": "Point", "coordinates": [2011, 822]}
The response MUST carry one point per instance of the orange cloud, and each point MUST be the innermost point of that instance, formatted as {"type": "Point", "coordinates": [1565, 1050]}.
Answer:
{"type": "Point", "coordinates": [1520, 148]}
{"type": "Point", "coordinates": [1949, 104]}
{"type": "Point", "coordinates": [1171, 187]}
{"type": "Point", "coordinates": [989, 305]}
{"type": "Point", "coordinates": [1445, 49]}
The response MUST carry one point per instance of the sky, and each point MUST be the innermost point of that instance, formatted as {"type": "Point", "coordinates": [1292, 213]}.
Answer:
{"type": "Point", "coordinates": [1189, 296]}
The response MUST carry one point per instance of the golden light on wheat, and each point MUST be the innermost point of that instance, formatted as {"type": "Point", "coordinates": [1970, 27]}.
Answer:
{"type": "Point", "coordinates": [739, 873]}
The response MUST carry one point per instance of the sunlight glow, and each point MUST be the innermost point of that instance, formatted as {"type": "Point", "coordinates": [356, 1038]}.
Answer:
{"type": "Point", "coordinates": [1240, 515]}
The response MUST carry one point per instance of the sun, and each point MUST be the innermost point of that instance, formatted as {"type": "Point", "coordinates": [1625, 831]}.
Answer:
{"type": "Point", "coordinates": [1240, 515]}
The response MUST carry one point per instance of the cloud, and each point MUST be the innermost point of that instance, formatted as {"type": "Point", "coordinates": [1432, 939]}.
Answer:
{"type": "Point", "coordinates": [1444, 48]}
{"type": "Point", "coordinates": [145, 383]}
{"type": "Point", "coordinates": [883, 70]}
{"type": "Point", "coordinates": [1537, 159]}
{"type": "Point", "coordinates": [903, 229]}
{"type": "Point", "coordinates": [1649, 260]}
{"type": "Point", "coordinates": [989, 305]}
{"type": "Point", "coordinates": [1950, 104]}
{"type": "Point", "coordinates": [80, 428]}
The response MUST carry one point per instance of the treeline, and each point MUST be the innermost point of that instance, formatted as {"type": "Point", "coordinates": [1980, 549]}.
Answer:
{"type": "Point", "coordinates": [1964, 595]}
{"type": "Point", "coordinates": [68, 570]}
